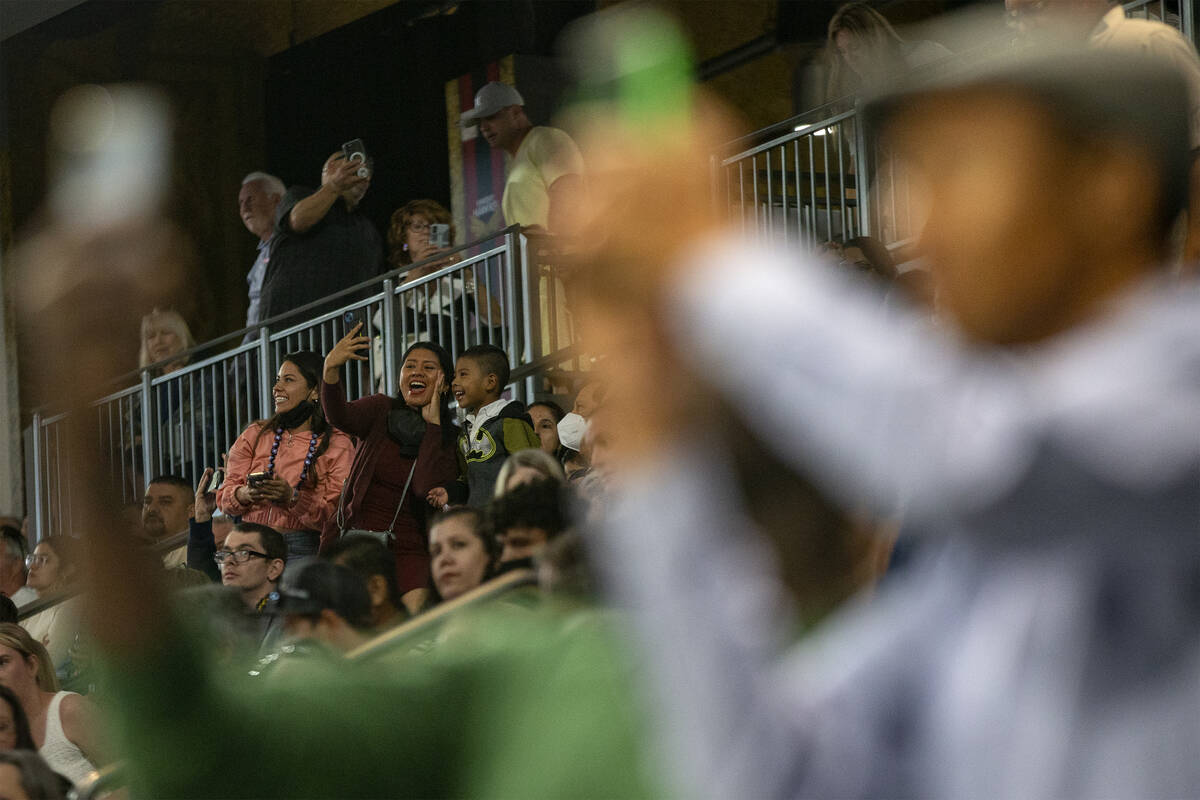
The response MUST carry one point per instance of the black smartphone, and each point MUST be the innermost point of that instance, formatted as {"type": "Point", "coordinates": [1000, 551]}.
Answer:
{"type": "Point", "coordinates": [256, 479]}
{"type": "Point", "coordinates": [355, 150]}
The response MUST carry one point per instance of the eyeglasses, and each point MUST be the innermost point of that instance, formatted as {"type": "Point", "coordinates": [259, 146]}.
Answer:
{"type": "Point", "coordinates": [36, 561]}
{"type": "Point", "coordinates": [418, 227]}
{"type": "Point", "coordinates": [237, 556]}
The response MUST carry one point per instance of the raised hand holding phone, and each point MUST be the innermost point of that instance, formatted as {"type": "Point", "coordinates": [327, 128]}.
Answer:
{"type": "Point", "coordinates": [351, 347]}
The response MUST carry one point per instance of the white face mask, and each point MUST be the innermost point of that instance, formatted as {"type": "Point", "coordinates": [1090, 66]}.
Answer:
{"type": "Point", "coordinates": [571, 429]}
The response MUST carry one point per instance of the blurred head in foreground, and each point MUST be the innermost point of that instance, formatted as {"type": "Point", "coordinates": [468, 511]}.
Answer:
{"type": "Point", "coordinates": [327, 602]}
{"type": "Point", "coordinates": [1015, 256]}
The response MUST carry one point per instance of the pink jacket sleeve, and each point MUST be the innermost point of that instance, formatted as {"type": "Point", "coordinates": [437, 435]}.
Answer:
{"type": "Point", "coordinates": [238, 465]}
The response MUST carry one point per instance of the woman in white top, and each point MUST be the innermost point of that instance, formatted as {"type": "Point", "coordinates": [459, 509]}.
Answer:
{"type": "Point", "coordinates": [51, 572]}
{"type": "Point", "coordinates": [64, 724]}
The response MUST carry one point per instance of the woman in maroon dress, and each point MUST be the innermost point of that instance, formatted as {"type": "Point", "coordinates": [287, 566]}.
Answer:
{"type": "Point", "coordinates": [406, 449]}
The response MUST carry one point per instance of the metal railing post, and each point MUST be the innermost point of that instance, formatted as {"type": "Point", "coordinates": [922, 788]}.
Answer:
{"type": "Point", "coordinates": [862, 183]}
{"type": "Point", "coordinates": [39, 490]}
{"type": "Point", "coordinates": [264, 372]}
{"type": "Point", "coordinates": [389, 335]}
{"type": "Point", "coordinates": [1187, 19]}
{"type": "Point", "coordinates": [149, 439]}
{"type": "Point", "coordinates": [518, 258]}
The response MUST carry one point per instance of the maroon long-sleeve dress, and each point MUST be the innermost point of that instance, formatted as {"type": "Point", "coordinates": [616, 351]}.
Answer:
{"type": "Point", "coordinates": [378, 474]}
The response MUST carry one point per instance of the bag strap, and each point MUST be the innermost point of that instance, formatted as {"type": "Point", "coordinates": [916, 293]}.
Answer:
{"type": "Point", "coordinates": [341, 519]}
{"type": "Point", "coordinates": [403, 495]}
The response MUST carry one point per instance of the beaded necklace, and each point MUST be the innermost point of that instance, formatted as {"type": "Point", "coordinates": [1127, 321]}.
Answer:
{"type": "Point", "coordinates": [312, 448]}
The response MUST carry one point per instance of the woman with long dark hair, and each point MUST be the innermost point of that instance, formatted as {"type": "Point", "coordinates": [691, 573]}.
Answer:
{"type": "Point", "coordinates": [406, 450]}
{"type": "Point", "coordinates": [15, 733]}
{"type": "Point", "coordinates": [287, 471]}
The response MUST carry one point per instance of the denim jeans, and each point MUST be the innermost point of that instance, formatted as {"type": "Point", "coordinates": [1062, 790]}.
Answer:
{"type": "Point", "coordinates": [301, 544]}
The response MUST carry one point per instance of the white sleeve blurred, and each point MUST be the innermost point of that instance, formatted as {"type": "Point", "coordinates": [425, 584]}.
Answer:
{"type": "Point", "coordinates": [875, 407]}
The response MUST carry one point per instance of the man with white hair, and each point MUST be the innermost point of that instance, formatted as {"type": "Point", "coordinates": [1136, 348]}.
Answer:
{"type": "Point", "coordinates": [257, 200]}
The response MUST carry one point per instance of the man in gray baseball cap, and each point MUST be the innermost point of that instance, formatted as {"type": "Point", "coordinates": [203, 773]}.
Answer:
{"type": "Point", "coordinates": [545, 171]}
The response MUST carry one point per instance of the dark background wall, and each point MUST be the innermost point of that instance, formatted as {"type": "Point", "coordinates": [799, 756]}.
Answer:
{"type": "Point", "coordinates": [382, 79]}
{"type": "Point", "coordinates": [280, 84]}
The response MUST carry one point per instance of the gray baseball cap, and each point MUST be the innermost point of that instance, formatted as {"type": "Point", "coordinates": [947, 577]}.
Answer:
{"type": "Point", "coordinates": [490, 99]}
{"type": "Point", "coordinates": [312, 587]}
{"type": "Point", "coordinates": [1132, 97]}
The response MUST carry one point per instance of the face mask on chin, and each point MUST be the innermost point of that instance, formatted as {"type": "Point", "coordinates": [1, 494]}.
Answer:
{"type": "Point", "coordinates": [571, 429]}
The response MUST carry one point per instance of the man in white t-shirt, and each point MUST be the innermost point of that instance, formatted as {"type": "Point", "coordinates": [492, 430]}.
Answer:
{"type": "Point", "coordinates": [545, 173]}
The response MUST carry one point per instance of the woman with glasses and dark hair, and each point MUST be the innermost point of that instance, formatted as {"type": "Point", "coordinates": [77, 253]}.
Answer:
{"type": "Point", "coordinates": [407, 448]}
{"type": "Point", "coordinates": [52, 573]}
{"type": "Point", "coordinates": [442, 307]}
{"type": "Point", "coordinates": [286, 472]}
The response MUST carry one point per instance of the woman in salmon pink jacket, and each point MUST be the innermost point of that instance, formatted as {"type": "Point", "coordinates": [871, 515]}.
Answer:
{"type": "Point", "coordinates": [287, 471]}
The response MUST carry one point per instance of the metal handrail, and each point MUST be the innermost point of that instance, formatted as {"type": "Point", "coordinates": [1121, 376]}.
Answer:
{"type": "Point", "coordinates": [428, 622]}
{"type": "Point", "coordinates": [179, 422]}
{"type": "Point", "coordinates": [795, 133]}
{"type": "Point", "coordinates": [788, 183]}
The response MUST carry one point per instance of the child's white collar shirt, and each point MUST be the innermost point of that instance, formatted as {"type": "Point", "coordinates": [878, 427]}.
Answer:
{"type": "Point", "coordinates": [476, 421]}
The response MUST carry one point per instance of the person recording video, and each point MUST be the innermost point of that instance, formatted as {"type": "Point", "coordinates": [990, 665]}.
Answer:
{"type": "Point", "coordinates": [323, 243]}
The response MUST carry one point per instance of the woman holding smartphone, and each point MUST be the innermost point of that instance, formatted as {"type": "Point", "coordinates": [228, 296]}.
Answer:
{"type": "Point", "coordinates": [440, 308]}
{"type": "Point", "coordinates": [287, 471]}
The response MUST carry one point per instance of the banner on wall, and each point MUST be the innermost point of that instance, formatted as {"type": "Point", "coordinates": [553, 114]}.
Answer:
{"type": "Point", "coordinates": [476, 170]}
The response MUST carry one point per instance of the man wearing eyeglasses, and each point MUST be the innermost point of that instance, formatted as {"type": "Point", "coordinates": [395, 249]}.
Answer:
{"type": "Point", "coordinates": [252, 560]}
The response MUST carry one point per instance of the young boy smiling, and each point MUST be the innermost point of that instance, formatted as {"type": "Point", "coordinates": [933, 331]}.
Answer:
{"type": "Point", "coordinates": [494, 427]}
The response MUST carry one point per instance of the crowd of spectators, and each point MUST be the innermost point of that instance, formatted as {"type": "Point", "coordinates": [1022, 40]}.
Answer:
{"type": "Point", "coordinates": [335, 524]}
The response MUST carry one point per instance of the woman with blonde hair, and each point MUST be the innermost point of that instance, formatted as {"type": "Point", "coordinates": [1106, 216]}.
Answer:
{"type": "Point", "coordinates": [166, 338]}
{"type": "Point", "coordinates": [64, 724]}
{"type": "Point", "coordinates": [164, 333]}
{"type": "Point", "coordinates": [526, 466]}
{"type": "Point", "coordinates": [862, 50]}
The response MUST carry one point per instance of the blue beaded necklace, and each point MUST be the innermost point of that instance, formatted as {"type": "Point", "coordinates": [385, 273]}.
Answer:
{"type": "Point", "coordinates": [312, 448]}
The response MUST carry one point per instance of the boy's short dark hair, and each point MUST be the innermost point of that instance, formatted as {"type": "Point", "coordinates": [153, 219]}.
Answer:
{"type": "Point", "coordinates": [273, 543]}
{"type": "Point", "coordinates": [537, 504]}
{"type": "Point", "coordinates": [366, 556]}
{"type": "Point", "coordinates": [492, 360]}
